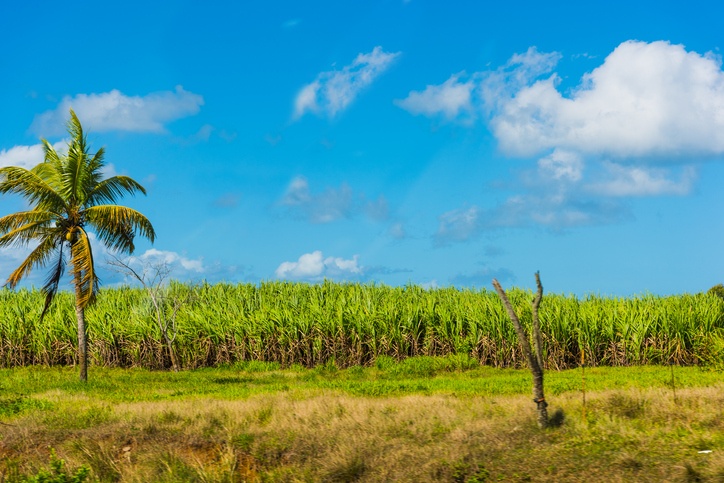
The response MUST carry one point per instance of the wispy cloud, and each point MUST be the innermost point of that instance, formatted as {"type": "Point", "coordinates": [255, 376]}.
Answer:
{"type": "Point", "coordinates": [314, 267]}
{"type": "Point", "coordinates": [552, 211]}
{"type": "Point", "coordinates": [228, 200]}
{"type": "Point", "coordinates": [641, 181]}
{"type": "Point", "coordinates": [115, 111]}
{"type": "Point", "coordinates": [331, 205]}
{"type": "Point", "coordinates": [291, 23]}
{"type": "Point", "coordinates": [452, 99]}
{"type": "Point", "coordinates": [333, 91]}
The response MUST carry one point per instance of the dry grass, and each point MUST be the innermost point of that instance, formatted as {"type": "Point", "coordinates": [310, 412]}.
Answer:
{"type": "Point", "coordinates": [632, 435]}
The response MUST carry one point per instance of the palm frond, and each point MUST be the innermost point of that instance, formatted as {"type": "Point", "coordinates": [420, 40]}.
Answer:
{"type": "Point", "coordinates": [117, 226]}
{"type": "Point", "coordinates": [37, 258]}
{"type": "Point", "coordinates": [14, 221]}
{"type": "Point", "coordinates": [51, 283]}
{"type": "Point", "coordinates": [81, 256]}
{"type": "Point", "coordinates": [24, 235]}
{"type": "Point", "coordinates": [32, 187]}
{"type": "Point", "coordinates": [110, 189]}
{"type": "Point", "coordinates": [51, 168]}
{"type": "Point", "coordinates": [95, 166]}
{"type": "Point", "coordinates": [81, 172]}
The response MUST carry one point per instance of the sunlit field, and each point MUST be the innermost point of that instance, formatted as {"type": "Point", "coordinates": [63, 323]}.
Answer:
{"type": "Point", "coordinates": [347, 382]}
{"type": "Point", "coordinates": [423, 419]}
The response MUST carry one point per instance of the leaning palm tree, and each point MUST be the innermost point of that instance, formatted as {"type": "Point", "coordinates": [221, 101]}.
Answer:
{"type": "Point", "coordinates": [68, 196]}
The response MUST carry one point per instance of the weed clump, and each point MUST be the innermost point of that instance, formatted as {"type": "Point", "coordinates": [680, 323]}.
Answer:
{"type": "Point", "coordinates": [57, 473]}
{"type": "Point", "coordinates": [717, 290]}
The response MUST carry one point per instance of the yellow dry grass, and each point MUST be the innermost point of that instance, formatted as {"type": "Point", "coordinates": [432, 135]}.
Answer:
{"type": "Point", "coordinates": [631, 435]}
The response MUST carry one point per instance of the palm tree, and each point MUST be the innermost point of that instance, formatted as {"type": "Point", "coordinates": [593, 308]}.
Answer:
{"type": "Point", "coordinates": [68, 195]}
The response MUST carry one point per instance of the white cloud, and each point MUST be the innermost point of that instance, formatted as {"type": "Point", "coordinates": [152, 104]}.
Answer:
{"type": "Point", "coordinates": [179, 265]}
{"type": "Point", "coordinates": [637, 125]}
{"type": "Point", "coordinates": [646, 99]}
{"type": "Point", "coordinates": [27, 156]}
{"type": "Point", "coordinates": [115, 111]}
{"type": "Point", "coordinates": [333, 91]}
{"type": "Point", "coordinates": [331, 205]}
{"type": "Point", "coordinates": [641, 181]}
{"type": "Point", "coordinates": [562, 165]}
{"type": "Point", "coordinates": [450, 99]}
{"type": "Point", "coordinates": [297, 192]}
{"type": "Point", "coordinates": [314, 266]}
{"type": "Point", "coordinates": [175, 261]}
{"type": "Point", "coordinates": [22, 156]}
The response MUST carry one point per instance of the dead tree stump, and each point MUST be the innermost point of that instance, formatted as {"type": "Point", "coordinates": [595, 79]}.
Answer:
{"type": "Point", "coordinates": [535, 361]}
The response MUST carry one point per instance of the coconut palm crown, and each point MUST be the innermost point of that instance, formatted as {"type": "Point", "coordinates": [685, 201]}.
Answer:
{"type": "Point", "coordinates": [68, 196]}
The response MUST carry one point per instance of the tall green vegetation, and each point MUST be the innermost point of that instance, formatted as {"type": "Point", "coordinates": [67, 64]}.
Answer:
{"type": "Point", "coordinates": [68, 195]}
{"type": "Point", "coordinates": [355, 324]}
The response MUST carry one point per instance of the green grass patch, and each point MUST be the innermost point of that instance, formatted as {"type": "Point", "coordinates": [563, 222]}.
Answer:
{"type": "Point", "coordinates": [422, 419]}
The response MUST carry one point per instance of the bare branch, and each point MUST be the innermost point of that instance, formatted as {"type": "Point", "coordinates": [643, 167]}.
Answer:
{"type": "Point", "coordinates": [152, 278]}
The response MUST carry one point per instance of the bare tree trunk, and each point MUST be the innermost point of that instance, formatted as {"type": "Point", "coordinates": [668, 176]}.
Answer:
{"type": "Point", "coordinates": [535, 362]}
{"type": "Point", "coordinates": [172, 354]}
{"type": "Point", "coordinates": [82, 333]}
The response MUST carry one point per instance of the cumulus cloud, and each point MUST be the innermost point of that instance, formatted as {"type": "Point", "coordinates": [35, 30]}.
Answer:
{"type": "Point", "coordinates": [646, 99]}
{"type": "Point", "coordinates": [22, 156]}
{"type": "Point", "coordinates": [331, 205]}
{"type": "Point", "coordinates": [27, 156]}
{"type": "Point", "coordinates": [173, 260]}
{"type": "Point", "coordinates": [333, 91]}
{"type": "Point", "coordinates": [314, 267]}
{"type": "Point", "coordinates": [637, 125]}
{"type": "Point", "coordinates": [115, 111]}
{"type": "Point", "coordinates": [179, 266]}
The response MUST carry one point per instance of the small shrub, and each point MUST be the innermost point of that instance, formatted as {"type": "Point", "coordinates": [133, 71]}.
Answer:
{"type": "Point", "coordinates": [625, 406]}
{"type": "Point", "coordinates": [717, 290]}
{"type": "Point", "coordinates": [56, 474]}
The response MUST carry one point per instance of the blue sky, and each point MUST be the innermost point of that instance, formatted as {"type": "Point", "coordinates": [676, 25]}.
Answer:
{"type": "Point", "coordinates": [436, 143]}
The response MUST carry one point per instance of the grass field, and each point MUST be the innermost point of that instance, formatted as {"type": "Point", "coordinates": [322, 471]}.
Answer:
{"type": "Point", "coordinates": [423, 419]}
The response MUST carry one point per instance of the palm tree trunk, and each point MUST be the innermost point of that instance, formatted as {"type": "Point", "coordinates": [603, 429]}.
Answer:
{"type": "Point", "coordinates": [82, 334]}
